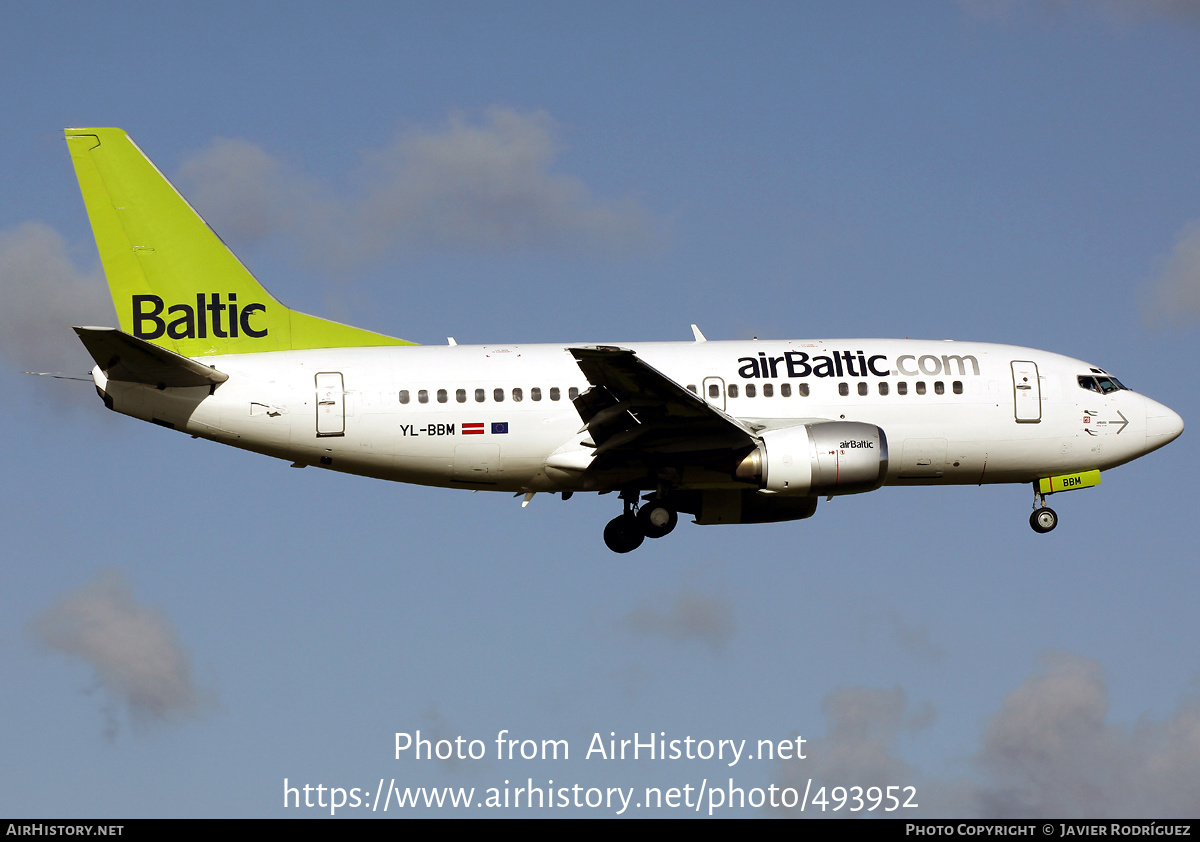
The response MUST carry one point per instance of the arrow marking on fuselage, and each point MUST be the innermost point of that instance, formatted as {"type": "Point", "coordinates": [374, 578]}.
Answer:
{"type": "Point", "coordinates": [1124, 422]}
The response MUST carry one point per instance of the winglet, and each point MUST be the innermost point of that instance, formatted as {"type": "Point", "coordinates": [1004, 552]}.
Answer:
{"type": "Point", "coordinates": [696, 333]}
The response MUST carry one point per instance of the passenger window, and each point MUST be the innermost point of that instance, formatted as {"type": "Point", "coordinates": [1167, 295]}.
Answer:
{"type": "Point", "coordinates": [920, 387]}
{"type": "Point", "coordinates": [862, 389]}
{"type": "Point", "coordinates": [714, 391]}
{"type": "Point", "coordinates": [939, 387]}
{"type": "Point", "coordinates": [803, 389]}
{"type": "Point", "coordinates": [883, 387]}
{"type": "Point", "coordinates": [554, 393]}
{"type": "Point", "coordinates": [442, 396]}
{"type": "Point", "coordinates": [785, 390]}
{"type": "Point", "coordinates": [902, 387]}
{"type": "Point", "coordinates": [843, 389]}
{"type": "Point", "coordinates": [518, 395]}
{"type": "Point", "coordinates": [461, 395]}
{"type": "Point", "coordinates": [422, 396]}
{"type": "Point", "coordinates": [732, 390]}
{"type": "Point", "coordinates": [480, 396]}
{"type": "Point", "coordinates": [404, 396]}
{"type": "Point", "coordinates": [498, 395]}
{"type": "Point", "coordinates": [573, 393]}
{"type": "Point", "coordinates": [535, 393]}
{"type": "Point", "coordinates": [751, 391]}
{"type": "Point", "coordinates": [768, 390]}
{"type": "Point", "coordinates": [957, 386]}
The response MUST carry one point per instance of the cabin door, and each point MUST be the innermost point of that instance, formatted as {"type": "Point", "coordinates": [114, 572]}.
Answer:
{"type": "Point", "coordinates": [1027, 392]}
{"type": "Point", "coordinates": [331, 404]}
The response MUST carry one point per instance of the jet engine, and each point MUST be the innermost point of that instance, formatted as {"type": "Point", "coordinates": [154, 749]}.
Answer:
{"type": "Point", "coordinates": [826, 458]}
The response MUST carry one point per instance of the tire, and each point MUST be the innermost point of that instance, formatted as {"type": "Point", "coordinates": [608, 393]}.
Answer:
{"type": "Point", "coordinates": [657, 519]}
{"type": "Point", "coordinates": [623, 534]}
{"type": "Point", "coordinates": [1043, 520]}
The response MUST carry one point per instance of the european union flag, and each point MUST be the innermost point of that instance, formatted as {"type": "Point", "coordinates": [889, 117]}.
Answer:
{"type": "Point", "coordinates": [499, 427]}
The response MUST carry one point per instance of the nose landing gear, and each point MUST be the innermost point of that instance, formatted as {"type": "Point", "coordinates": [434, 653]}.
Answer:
{"type": "Point", "coordinates": [1043, 518]}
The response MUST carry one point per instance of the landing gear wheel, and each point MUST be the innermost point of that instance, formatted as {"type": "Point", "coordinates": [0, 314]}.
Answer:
{"type": "Point", "coordinates": [657, 519]}
{"type": "Point", "coordinates": [623, 534]}
{"type": "Point", "coordinates": [1043, 519]}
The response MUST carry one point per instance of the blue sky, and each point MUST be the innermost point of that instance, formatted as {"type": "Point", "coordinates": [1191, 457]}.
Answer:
{"type": "Point", "coordinates": [184, 626]}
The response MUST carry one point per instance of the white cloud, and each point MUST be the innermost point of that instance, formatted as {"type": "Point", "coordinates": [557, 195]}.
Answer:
{"type": "Point", "coordinates": [1050, 751]}
{"type": "Point", "coordinates": [690, 616]}
{"type": "Point", "coordinates": [1175, 297]}
{"type": "Point", "coordinates": [858, 748]}
{"type": "Point", "coordinates": [135, 651]}
{"type": "Point", "coordinates": [486, 186]}
{"type": "Point", "coordinates": [240, 184]}
{"type": "Point", "coordinates": [913, 639]}
{"type": "Point", "coordinates": [492, 186]}
{"type": "Point", "coordinates": [42, 294]}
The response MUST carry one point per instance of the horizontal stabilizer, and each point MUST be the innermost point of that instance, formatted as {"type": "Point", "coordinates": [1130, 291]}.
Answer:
{"type": "Point", "coordinates": [125, 357]}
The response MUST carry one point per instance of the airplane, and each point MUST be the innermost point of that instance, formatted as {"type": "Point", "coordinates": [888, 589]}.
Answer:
{"type": "Point", "coordinates": [726, 431]}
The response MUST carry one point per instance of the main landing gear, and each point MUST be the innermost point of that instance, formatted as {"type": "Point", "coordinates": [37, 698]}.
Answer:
{"type": "Point", "coordinates": [1043, 518]}
{"type": "Point", "coordinates": [654, 519]}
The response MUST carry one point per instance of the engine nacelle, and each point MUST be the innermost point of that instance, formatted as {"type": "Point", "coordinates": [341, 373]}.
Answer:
{"type": "Point", "coordinates": [825, 458]}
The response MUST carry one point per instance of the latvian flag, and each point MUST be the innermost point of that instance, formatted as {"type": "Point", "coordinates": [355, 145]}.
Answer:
{"type": "Point", "coordinates": [472, 429]}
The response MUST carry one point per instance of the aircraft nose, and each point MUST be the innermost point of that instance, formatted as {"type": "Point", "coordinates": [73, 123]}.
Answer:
{"type": "Point", "coordinates": [1163, 425]}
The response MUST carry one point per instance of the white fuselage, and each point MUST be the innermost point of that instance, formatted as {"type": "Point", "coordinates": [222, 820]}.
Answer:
{"type": "Point", "coordinates": [500, 417]}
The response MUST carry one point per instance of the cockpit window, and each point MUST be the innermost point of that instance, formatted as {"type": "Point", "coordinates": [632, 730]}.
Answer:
{"type": "Point", "coordinates": [1101, 384]}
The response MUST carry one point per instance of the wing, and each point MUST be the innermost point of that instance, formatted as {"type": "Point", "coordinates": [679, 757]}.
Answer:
{"type": "Point", "coordinates": [639, 419]}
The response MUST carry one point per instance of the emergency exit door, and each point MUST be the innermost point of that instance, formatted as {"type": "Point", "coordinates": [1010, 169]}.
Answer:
{"type": "Point", "coordinates": [714, 392]}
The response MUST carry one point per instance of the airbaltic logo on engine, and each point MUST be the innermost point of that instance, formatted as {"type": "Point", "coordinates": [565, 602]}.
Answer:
{"type": "Point", "coordinates": [184, 321]}
{"type": "Point", "coordinates": [855, 444]}
{"type": "Point", "coordinates": [854, 364]}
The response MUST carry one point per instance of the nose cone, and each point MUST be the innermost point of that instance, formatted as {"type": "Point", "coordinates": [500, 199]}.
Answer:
{"type": "Point", "coordinates": [1163, 425]}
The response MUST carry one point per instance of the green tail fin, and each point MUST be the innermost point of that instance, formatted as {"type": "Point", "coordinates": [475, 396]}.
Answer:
{"type": "Point", "coordinates": [173, 281]}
